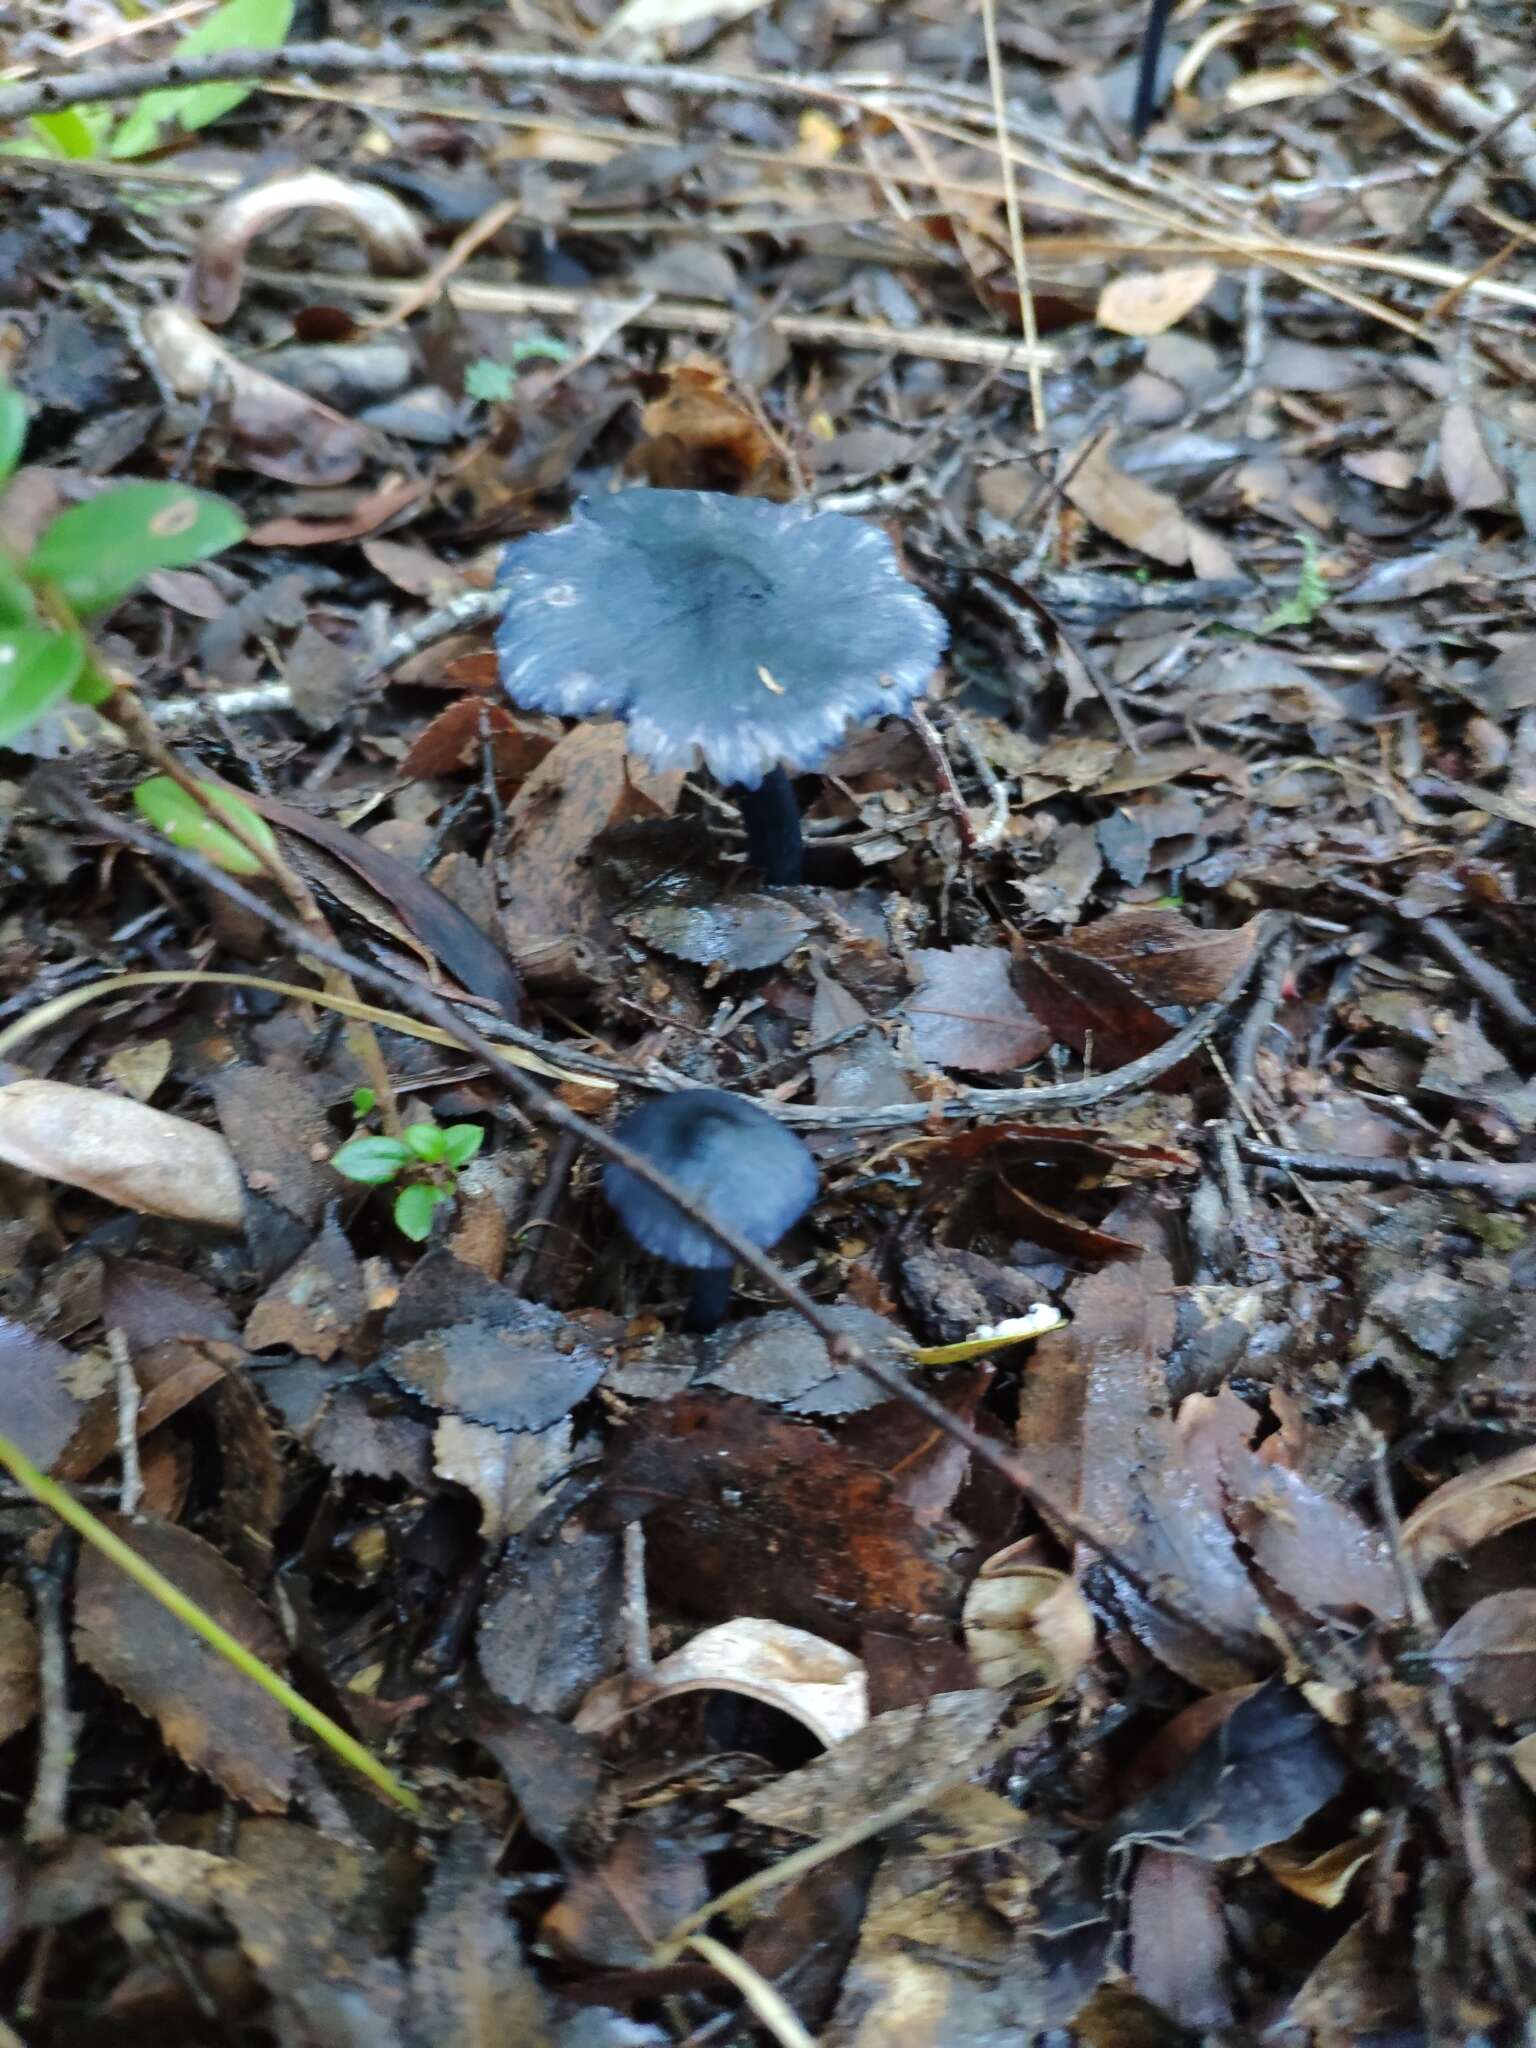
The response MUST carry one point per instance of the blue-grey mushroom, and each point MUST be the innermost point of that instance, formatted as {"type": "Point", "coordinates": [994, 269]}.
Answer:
{"type": "Point", "coordinates": [745, 634]}
{"type": "Point", "coordinates": [731, 1158]}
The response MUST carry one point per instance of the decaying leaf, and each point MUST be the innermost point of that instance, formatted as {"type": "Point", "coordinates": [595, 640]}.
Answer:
{"type": "Point", "coordinates": [1026, 1623]}
{"type": "Point", "coordinates": [1128, 510]}
{"type": "Point", "coordinates": [18, 1662]}
{"type": "Point", "coordinates": [274, 428]}
{"type": "Point", "coordinates": [894, 1760]}
{"type": "Point", "coordinates": [698, 433]}
{"type": "Point", "coordinates": [966, 1013]}
{"type": "Point", "coordinates": [1152, 301]}
{"type": "Point", "coordinates": [209, 1713]}
{"type": "Point", "coordinates": [1165, 957]}
{"type": "Point", "coordinates": [815, 1682]}
{"type": "Point", "coordinates": [508, 1474]}
{"type": "Point", "coordinates": [1472, 1507]}
{"type": "Point", "coordinates": [123, 1151]}
{"type": "Point", "coordinates": [469, 1982]}
{"type": "Point", "coordinates": [315, 1307]}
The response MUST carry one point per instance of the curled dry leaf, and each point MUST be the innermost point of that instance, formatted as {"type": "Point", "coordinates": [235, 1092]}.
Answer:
{"type": "Point", "coordinates": [1467, 1510]}
{"type": "Point", "coordinates": [123, 1151]}
{"type": "Point", "coordinates": [820, 1685]}
{"type": "Point", "coordinates": [275, 429]}
{"type": "Point", "coordinates": [209, 1713]}
{"type": "Point", "coordinates": [1026, 1623]}
{"type": "Point", "coordinates": [1152, 301]}
{"type": "Point", "coordinates": [386, 227]}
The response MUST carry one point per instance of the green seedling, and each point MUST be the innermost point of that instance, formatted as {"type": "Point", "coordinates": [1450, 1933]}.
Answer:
{"type": "Point", "coordinates": [85, 561]}
{"type": "Point", "coordinates": [159, 117]}
{"type": "Point", "coordinates": [376, 1161]}
{"type": "Point", "coordinates": [192, 823]}
{"type": "Point", "coordinates": [493, 382]}
{"type": "Point", "coordinates": [1308, 598]}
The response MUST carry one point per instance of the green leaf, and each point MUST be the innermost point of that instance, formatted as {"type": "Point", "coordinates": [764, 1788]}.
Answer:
{"type": "Point", "coordinates": [91, 686]}
{"type": "Point", "coordinates": [489, 380]}
{"type": "Point", "coordinates": [95, 553]}
{"type": "Point", "coordinates": [71, 133]}
{"type": "Point", "coordinates": [13, 428]}
{"type": "Point", "coordinates": [363, 1100]}
{"type": "Point", "coordinates": [461, 1142]}
{"type": "Point", "coordinates": [37, 671]}
{"type": "Point", "coordinates": [238, 25]}
{"type": "Point", "coordinates": [414, 1209]}
{"type": "Point", "coordinates": [182, 819]}
{"type": "Point", "coordinates": [16, 603]}
{"type": "Point", "coordinates": [373, 1161]}
{"type": "Point", "coordinates": [426, 1141]}
{"type": "Point", "coordinates": [1309, 597]}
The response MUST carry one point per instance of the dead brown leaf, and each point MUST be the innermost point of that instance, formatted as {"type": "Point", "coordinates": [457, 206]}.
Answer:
{"type": "Point", "coordinates": [1151, 301]}
{"type": "Point", "coordinates": [1473, 1507]}
{"type": "Point", "coordinates": [1125, 508]}
{"type": "Point", "coordinates": [209, 1713]}
{"type": "Point", "coordinates": [966, 1013]}
{"type": "Point", "coordinates": [1165, 957]}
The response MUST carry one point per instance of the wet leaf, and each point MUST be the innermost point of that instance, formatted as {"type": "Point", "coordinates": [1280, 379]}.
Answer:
{"type": "Point", "coordinates": [1094, 1008]}
{"type": "Point", "coordinates": [317, 1304]}
{"type": "Point", "coordinates": [469, 1981]}
{"type": "Point", "coordinates": [1490, 1653]}
{"type": "Point", "coordinates": [1469, 1509]}
{"type": "Point", "coordinates": [1165, 957]}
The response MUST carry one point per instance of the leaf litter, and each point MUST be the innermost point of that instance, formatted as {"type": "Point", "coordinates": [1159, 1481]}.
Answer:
{"type": "Point", "coordinates": [1231, 1711]}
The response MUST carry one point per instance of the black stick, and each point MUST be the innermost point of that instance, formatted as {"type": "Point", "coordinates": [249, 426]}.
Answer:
{"type": "Point", "coordinates": [772, 819]}
{"type": "Point", "coordinates": [709, 1297]}
{"type": "Point", "coordinates": [1146, 76]}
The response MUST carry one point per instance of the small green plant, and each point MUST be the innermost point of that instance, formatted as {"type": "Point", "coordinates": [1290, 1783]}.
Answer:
{"type": "Point", "coordinates": [88, 558]}
{"type": "Point", "coordinates": [158, 117]}
{"type": "Point", "coordinates": [1308, 598]}
{"type": "Point", "coordinates": [375, 1161]}
{"type": "Point", "coordinates": [493, 382]}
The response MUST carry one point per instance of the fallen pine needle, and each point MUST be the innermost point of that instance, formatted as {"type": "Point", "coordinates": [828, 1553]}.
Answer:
{"type": "Point", "coordinates": [63, 1503]}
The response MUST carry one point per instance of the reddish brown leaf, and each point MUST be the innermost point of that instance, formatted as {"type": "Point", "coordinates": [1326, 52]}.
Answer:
{"type": "Point", "coordinates": [700, 435]}
{"type": "Point", "coordinates": [966, 1013]}
{"type": "Point", "coordinates": [1093, 1008]}
{"type": "Point", "coordinates": [455, 737]}
{"type": "Point", "coordinates": [1165, 958]}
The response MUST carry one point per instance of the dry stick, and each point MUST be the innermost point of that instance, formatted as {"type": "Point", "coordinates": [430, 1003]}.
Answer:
{"type": "Point", "coordinates": [533, 1101]}
{"type": "Point", "coordinates": [131, 1490]}
{"type": "Point", "coordinates": [1018, 247]}
{"type": "Point", "coordinates": [46, 1822]}
{"type": "Point", "coordinates": [336, 59]}
{"type": "Point", "coordinates": [1508, 1185]}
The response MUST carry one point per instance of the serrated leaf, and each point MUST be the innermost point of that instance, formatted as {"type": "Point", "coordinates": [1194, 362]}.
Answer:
{"type": "Point", "coordinates": [37, 671]}
{"type": "Point", "coordinates": [426, 1141]}
{"type": "Point", "coordinates": [13, 428]}
{"type": "Point", "coordinates": [461, 1142]}
{"type": "Point", "coordinates": [238, 25]}
{"type": "Point", "coordinates": [95, 553]}
{"type": "Point", "coordinates": [415, 1207]}
{"type": "Point", "coordinates": [372, 1161]}
{"type": "Point", "coordinates": [183, 819]}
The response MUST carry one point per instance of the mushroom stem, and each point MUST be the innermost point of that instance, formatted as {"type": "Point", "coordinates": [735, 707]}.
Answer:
{"type": "Point", "coordinates": [709, 1297]}
{"type": "Point", "coordinates": [772, 819]}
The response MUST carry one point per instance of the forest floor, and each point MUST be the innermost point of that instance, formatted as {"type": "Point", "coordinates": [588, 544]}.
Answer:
{"type": "Point", "coordinates": [859, 1673]}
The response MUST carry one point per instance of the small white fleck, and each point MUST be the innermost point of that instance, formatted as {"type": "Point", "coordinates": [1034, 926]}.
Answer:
{"type": "Point", "coordinates": [7, 654]}
{"type": "Point", "coordinates": [768, 681]}
{"type": "Point", "coordinates": [560, 594]}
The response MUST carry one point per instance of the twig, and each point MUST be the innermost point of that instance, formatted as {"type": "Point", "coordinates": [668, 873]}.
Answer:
{"type": "Point", "coordinates": [949, 789]}
{"type": "Point", "coordinates": [1491, 983]}
{"type": "Point", "coordinates": [46, 1823]}
{"type": "Point", "coordinates": [556, 1178]}
{"type": "Point", "coordinates": [640, 1665]}
{"type": "Point", "coordinates": [535, 1102]}
{"type": "Point", "coordinates": [1018, 247]}
{"type": "Point", "coordinates": [131, 1486]}
{"type": "Point", "coordinates": [1261, 1015]}
{"type": "Point", "coordinates": [666, 316]}
{"type": "Point", "coordinates": [1508, 1185]}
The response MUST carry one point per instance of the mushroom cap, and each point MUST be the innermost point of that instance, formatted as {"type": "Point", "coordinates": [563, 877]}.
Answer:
{"type": "Point", "coordinates": [733, 1158]}
{"type": "Point", "coordinates": [750, 633]}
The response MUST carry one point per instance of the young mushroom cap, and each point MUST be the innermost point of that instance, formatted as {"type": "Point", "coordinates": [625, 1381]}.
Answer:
{"type": "Point", "coordinates": [729, 1156]}
{"type": "Point", "coordinates": [750, 634]}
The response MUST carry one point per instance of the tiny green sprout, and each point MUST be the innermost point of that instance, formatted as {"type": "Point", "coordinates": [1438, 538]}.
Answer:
{"type": "Point", "coordinates": [491, 382]}
{"type": "Point", "coordinates": [189, 823]}
{"type": "Point", "coordinates": [363, 1100]}
{"type": "Point", "coordinates": [1308, 598]}
{"type": "Point", "coordinates": [376, 1161]}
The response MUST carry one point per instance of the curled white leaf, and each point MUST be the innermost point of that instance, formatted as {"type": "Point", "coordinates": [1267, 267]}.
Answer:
{"type": "Point", "coordinates": [386, 228]}
{"type": "Point", "coordinates": [820, 1685]}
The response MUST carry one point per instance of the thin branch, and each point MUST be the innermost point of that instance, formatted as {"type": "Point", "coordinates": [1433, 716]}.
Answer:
{"type": "Point", "coordinates": [1018, 247]}
{"type": "Point", "coordinates": [1507, 1184]}
{"type": "Point", "coordinates": [131, 1485]}
{"type": "Point", "coordinates": [46, 1823]}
